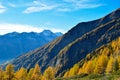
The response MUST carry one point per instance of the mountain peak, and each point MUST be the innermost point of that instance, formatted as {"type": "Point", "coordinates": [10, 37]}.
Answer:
{"type": "Point", "coordinates": [112, 16]}
{"type": "Point", "coordinates": [115, 14]}
{"type": "Point", "coordinates": [47, 32]}
{"type": "Point", "coordinates": [12, 34]}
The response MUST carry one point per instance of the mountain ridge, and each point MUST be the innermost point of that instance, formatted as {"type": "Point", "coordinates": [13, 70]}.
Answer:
{"type": "Point", "coordinates": [15, 43]}
{"type": "Point", "coordinates": [49, 54]}
{"type": "Point", "coordinates": [80, 49]}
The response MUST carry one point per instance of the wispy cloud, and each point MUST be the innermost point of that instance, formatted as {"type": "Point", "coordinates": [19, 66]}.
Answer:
{"type": "Point", "coordinates": [38, 9]}
{"type": "Point", "coordinates": [2, 8]}
{"type": "Point", "coordinates": [63, 6]}
{"type": "Point", "coordinates": [7, 28]}
{"type": "Point", "coordinates": [38, 6]}
{"type": "Point", "coordinates": [82, 4]}
{"type": "Point", "coordinates": [50, 5]}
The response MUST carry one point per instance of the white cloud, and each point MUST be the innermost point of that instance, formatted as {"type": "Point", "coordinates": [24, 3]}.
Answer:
{"type": "Point", "coordinates": [38, 9]}
{"type": "Point", "coordinates": [2, 8]}
{"type": "Point", "coordinates": [83, 4]}
{"type": "Point", "coordinates": [7, 28]}
{"type": "Point", "coordinates": [55, 5]}
{"type": "Point", "coordinates": [63, 6]}
{"type": "Point", "coordinates": [38, 6]}
{"type": "Point", "coordinates": [89, 6]}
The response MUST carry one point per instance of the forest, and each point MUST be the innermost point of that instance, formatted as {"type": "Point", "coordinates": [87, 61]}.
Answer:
{"type": "Point", "coordinates": [24, 74]}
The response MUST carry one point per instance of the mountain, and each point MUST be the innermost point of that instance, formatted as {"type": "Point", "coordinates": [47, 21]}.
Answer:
{"type": "Point", "coordinates": [14, 44]}
{"type": "Point", "coordinates": [63, 52]}
{"type": "Point", "coordinates": [104, 61]}
{"type": "Point", "coordinates": [49, 33]}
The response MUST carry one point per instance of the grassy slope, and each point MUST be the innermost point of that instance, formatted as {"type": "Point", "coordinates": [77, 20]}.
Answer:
{"type": "Point", "coordinates": [112, 76]}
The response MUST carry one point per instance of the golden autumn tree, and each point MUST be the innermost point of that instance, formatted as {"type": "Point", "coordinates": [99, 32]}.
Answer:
{"type": "Point", "coordinates": [118, 62]}
{"type": "Point", "coordinates": [89, 67]}
{"type": "Point", "coordinates": [1, 74]}
{"type": "Point", "coordinates": [21, 74]}
{"type": "Point", "coordinates": [66, 74]}
{"type": "Point", "coordinates": [115, 65]}
{"type": "Point", "coordinates": [36, 73]}
{"type": "Point", "coordinates": [109, 67]}
{"type": "Point", "coordinates": [74, 70]}
{"type": "Point", "coordinates": [101, 64]}
{"type": "Point", "coordinates": [49, 73]}
{"type": "Point", "coordinates": [106, 51]}
{"type": "Point", "coordinates": [115, 46]}
{"type": "Point", "coordinates": [82, 69]}
{"type": "Point", "coordinates": [9, 72]}
{"type": "Point", "coordinates": [29, 75]}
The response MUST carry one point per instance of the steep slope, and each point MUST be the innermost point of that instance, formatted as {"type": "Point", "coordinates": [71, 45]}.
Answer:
{"type": "Point", "coordinates": [68, 49]}
{"type": "Point", "coordinates": [78, 49]}
{"type": "Point", "coordinates": [14, 44]}
{"type": "Point", "coordinates": [105, 59]}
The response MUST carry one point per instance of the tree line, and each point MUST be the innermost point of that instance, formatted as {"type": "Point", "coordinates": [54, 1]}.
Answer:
{"type": "Point", "coordinates": [23, 74]}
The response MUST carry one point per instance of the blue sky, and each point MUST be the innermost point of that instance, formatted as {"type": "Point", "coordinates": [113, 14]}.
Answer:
{"type": "Point", "coordinates": [56, 15]}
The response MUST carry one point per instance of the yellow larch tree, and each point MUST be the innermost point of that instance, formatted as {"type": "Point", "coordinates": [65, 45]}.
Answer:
{"type": "Point", "coordinates": [21, 74]}
{"type": "Point", "coordinates": [101, 64]}
{"type": "Point", "coordinates": [66, 74]}
{"type": "Point", "coordinates": [82, 69]}
{"type": "Point", "coordinates": [1, 74]}
{"type": "Point", "coordinates": [89, 67]}
{"type": "Point", "coordinates": [9, 72]}
{"type": "Point", "coordinates": [118, 62]}
{"type": "Point", "coordinates": [49, 73]}
{"type": "Point", "coordinates": [109, 67]}
{"type": "Point", "coordinates": [36, 73]}
{"type": "Point", "coordinates": [29, 75]}
{"type": "Point", "coordinates": [115, 65]}
{"type": "Point", "coordinates": [74, 70]}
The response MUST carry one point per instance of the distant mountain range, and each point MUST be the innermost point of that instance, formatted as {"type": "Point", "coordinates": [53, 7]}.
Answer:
{"type": "Point", "coordinates": [65, 51]}
{"type": "Point", "coordinates": [14, 44]}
